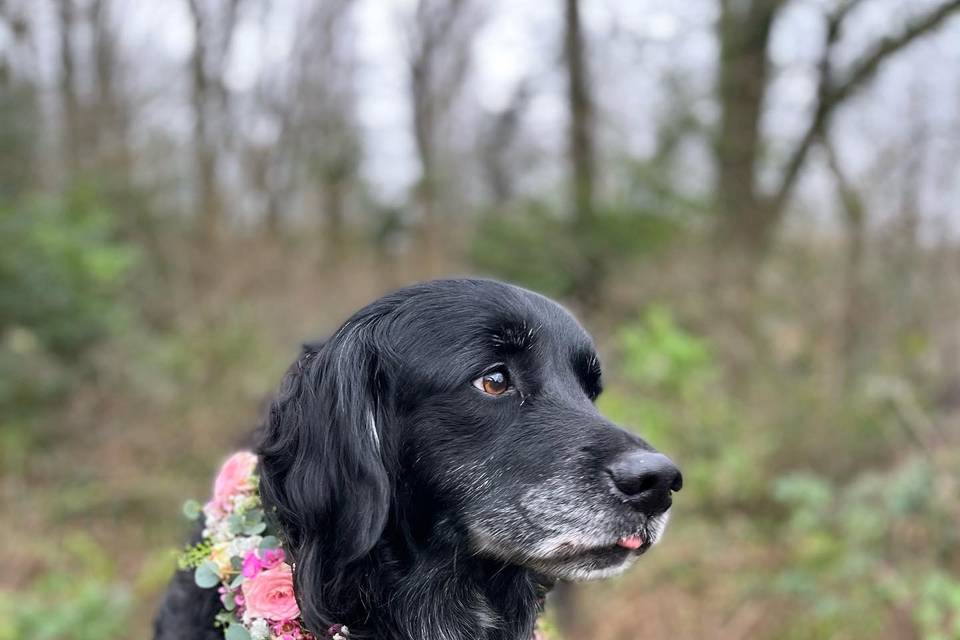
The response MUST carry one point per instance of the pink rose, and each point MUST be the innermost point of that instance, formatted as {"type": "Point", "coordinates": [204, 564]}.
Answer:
{"type": "Point", "coordinates": [233, 478]}
{"type": "Point", "coordinates": [270, 594]}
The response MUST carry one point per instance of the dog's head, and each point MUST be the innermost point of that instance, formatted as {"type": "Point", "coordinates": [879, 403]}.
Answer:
{"type": "Point", "coordinates": [461, 411]}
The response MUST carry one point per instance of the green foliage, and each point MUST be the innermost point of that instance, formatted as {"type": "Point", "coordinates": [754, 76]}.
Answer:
{"type": "Point", "coordinates": [269, 542]}
{"type": "Point", "coordinates": [194, 555]}
{"type": "Point", "coordinates": [184, 365]}
{"type": "Point", "coordinates": [552, 253]}
{"type": "Point", "coordinates": [236, 632]}
{"type": "Point", "coordinates": [19, 121]}
{"type": "Point", "coordinates": [850, 554]}
{"type": "Point", "coordinates": [670, 389]}
{"type": "Point", "coordinates": [938, 611]}
{"type": "Point", "coordinates": [61, 274]}
{"type": "Point", "coordinates": [658, 353]}
{"type": "Point", "coordinates": [78, 600]}
{"type": "Point", "coordinates": [883, 542]}
{"type": "Point", "coordinates": [192, 509]}
{"type": "Point", "coordinates": [30, 377]}
{"type": "Point", "coordinates": [206, 575]}
{"type": "Point", "coordinates": [61, 271]}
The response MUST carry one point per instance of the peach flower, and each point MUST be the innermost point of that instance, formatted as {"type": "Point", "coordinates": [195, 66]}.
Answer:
{"type": "Point", "coordinates": [270, 594]}
{"type": "Point", "coordinates": [220, 556]}
{"type": "Point", "coordinates": [233, 478]}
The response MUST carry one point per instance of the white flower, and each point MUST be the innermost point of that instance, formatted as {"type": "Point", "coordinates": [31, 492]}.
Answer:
{"type": "Point", "coordinates": [259, 630]}
{"type": "Point", "coordinates": [241, 546]}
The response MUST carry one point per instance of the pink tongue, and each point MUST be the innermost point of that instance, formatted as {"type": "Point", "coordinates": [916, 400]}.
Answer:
{"type": "Point", "coordinates": [632, 542]}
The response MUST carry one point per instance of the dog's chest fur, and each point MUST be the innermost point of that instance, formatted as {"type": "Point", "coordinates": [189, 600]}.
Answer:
{"type": "Point", "coordinates": [457, 597]}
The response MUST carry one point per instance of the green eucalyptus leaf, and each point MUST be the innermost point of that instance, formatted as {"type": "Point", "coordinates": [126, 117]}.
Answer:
{"type": "Point", "coordinates": [223, 619]}
{"type": "Point", "coordinates": [192, 509]}
{"type": "Point", "coordinates": [237, 581]}
{"type": "Point", "coordinates": [236, 563]}
{"type": "Point", "coordinates": [236, 632]}
{"type": "Point", "coordinates": [255, 529]}
{"type": "Point", "coordinates": [206, 575]}
{"type": "Point", "coordinates": [235, 523]}
{"type": "Point", "coordinates": [228, 602]}
{"type": "Point", "coordinates": [269, 542]}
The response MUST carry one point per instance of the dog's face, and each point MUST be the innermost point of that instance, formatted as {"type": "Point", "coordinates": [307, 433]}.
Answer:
{"type": "Point", "coordinates": [456, 413]}
{"type": "Point", "coordinates": [498, 424]}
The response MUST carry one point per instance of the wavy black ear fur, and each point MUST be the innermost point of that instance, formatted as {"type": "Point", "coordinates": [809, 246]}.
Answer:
{"type": "Point", "coordinates": [323, 469]}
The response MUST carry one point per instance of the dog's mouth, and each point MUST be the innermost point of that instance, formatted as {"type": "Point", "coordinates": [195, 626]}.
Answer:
{"type": "Point", "coordinates": [632, 542]}
{"type": "Point", "coordinates": [629, 545]}
{"type": "Point", "coordinates": [588, 559]}
{"type": "Point", "coordinates": [585, 551]}
{"type": "Point", "coordinates": [580, 562]}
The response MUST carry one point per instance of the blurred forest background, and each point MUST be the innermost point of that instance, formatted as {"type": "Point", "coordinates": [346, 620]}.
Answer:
{"type": "Point", "coordinates": [754, 205]}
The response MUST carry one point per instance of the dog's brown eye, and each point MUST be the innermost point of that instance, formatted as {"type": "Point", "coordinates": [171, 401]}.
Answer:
{"type": "Point", "coordinates": [495, 383]}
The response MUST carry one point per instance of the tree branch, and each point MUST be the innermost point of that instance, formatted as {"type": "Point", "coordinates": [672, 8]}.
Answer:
{"type": "Point", "coordinates": [853, 207]}
{"type": "Point", "coordinates": [833, 94]}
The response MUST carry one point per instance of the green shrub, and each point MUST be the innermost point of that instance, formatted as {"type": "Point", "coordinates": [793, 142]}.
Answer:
{"type": "Point", "coordinates": [671, 391]}
{"type": "Point", "coordinates": [78, 600]}
{"type": "Point", "coordinates": [536, 245]}
{"type": "Point", "coordinates": [61, 271]}
{"type": "Point", "coordinates": [884, 542]}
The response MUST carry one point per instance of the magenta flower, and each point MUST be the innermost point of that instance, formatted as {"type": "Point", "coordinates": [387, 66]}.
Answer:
{"type": "Point", "coordinates": [271, 558]}
{"type": "Point", "coordinates": [251, 565]}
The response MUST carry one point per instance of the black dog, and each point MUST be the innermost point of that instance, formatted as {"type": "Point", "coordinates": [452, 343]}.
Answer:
{"type": "Point", "coordinates": [438, 464]}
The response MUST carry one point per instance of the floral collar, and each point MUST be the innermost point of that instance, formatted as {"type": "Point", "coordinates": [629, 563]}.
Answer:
{"type": "Point", "coordinates": [240, 557]}
{"type": "Point", "coordinates": [244, 560]}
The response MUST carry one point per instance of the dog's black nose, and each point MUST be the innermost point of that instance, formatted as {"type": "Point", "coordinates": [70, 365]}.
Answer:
{"type": "Point", "coordinates": [646, 477]}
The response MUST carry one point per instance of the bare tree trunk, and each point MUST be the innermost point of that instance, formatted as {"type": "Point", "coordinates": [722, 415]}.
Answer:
{"type": "Point", "coordinates": [744, 221]}
{"type": "Point", "coordinates": [854, 223]}
{"type": "Point", "coordinates": [494, 154]}
{"type": "Point", "coordinates": [335, 227]}
{"type": "Point", "coordinates": [69, 101]}
{"type": "Point", "coordinates": [589, 274]}
{"type": "Point", "coordinates": [441, 37]}
{"type": "Point", "coordinates": [18, 112]}
{"type": "Point", "coordinates": [424, 123]}
{"type": "Point", "coordinates": [260, 159]}
{"type": "Point", "coordinates": [209, 199]}
{"type": "Point", "coordinates": [112, 122]}
{"type": "Point", "coordinates": [581, 114]}
{"type": "Point", "coordinates": [273, 217]}
{"type": "Point", "coordinates": [320, 120]}
{"type": "Point", "coordinates": [744, 74]}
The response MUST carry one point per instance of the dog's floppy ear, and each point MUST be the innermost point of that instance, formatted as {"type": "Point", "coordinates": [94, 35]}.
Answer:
{"type": "Point", "coordinates": [322, 468]}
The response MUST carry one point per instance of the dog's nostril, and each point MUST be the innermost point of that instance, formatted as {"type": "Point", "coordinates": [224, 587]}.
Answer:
{"type": "Point", "coordinates": [632, 485]}
{"type": "Point", "coordinates": [677, 483]}
{"type": "Point", "coordinates": [643, 473]}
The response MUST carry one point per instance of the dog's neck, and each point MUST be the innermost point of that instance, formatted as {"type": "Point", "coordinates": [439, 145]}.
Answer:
{"type": "Point", "coordinates": [423, 581]}
{"type": "Point", "coordinates": [454, 595]}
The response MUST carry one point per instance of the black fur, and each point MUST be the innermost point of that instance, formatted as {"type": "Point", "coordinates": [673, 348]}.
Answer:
{"type": "Point", "coordinates": [414, 505]}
